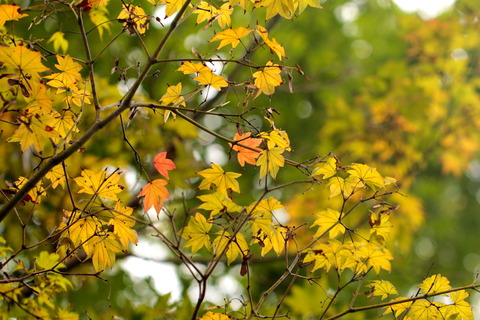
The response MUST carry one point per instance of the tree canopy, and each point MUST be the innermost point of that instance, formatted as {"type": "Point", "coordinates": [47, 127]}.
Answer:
{"type": "Point", "coordinates": [319, 157]}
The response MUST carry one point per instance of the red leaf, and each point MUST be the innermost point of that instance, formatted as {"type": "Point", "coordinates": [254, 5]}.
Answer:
{"type": "Point", "coordinates": [162, 164]}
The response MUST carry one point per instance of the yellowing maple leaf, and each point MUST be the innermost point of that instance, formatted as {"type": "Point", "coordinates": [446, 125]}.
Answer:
{"type": "Point", "coordinates": [435, 283]}
{"type": "Point", "coordinates": [99, 17]}
{"type": "Point", "coordinates": [276, 138]}
{"type": "Point", "coordinates": [34, 195]}
{"type": "Point", "coordinates": [367, 175]}
{"type": "Point", "coordinates": [234, 247]}
{"type": "Point", "coordinates": [26, 61]}
{"type": "Point", "coordinates": [69, 75]}
{"type": "Point", "coordinates": [329, 221]}
{"type": "Point", "coordinates": [34, 129]}
{"type": "Point", "coordinates": [83, 230]}
{"type": "Point", "coordinates": [196, 233]}
{"type": "Point", "coordinates": [245, 155]}
{"type": "Point", "coordinates": [102, 184]}
{"type": "Point", "coordinates": [133, 18]}
{"type": "Point", "coordinates": [371, 256]}
{"type": "Point", "coordinates": [267, 79]}
{"type": "Point", "coordinates": [102, 251]}
{"type": "Point", "coordinates": [274, 46]}
{"type": "Point", "coordinates": [59, 42]}
{"type": "Point", "coordinates": [46, 260]}
{"type": "Point", "coordinates": [382, 288]}
{"type": "Point", "coordinates": [302, 4]}
{"type": "Point", "coordinates": [460, 309]}
{"type": "Point", "coordinates": [173, 96]}
{"type": "Point", "coordinates": [189, 68]}
{"type": "Point", "coordinates": [163, 164]}
{"type": "Point", "coordinates": [155, 194]}
{"type": "Point", "coordinates": [10, 12]}
{"type": "Point", "coordinates": [223, 180]}
{"type": "Point", "coordinates": [205, 11]}
{"type": "Point", "coordinates": [270, 161]}
{"type": "Point", "coordinates": [56, 176]}
{"type": "Point", "coordinates": [209, 78]}
{"type": "Point", "coordinates": [122, 225]}
{"type": "Point", "coordinates": [173, 6]}
{"type": "Point", "coordinates": [39, 101]}
{"type": "Point", "coordinates": [285, 8]}
{"type": "Point", "coordinates": [231, 36]}
{"type": "Point", "coordinates": [214, 316]}
{"type": "Point", "coordinates": [223, 15]}
{"type": "Point", "coordinates": [217, 202]}
{"type": "Point", "coordinates": [326, 170]}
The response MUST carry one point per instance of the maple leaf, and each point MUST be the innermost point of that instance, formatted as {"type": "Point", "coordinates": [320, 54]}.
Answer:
{"type": "Point", "coordinates": [39, 101]}
{"type": "Point", "coordinates": [374, 257]}
{"type": "Point", "coordinates": [46, 260]}
{"type": "Point", "coordinates": [302, 4]}
{"type": "Point", "coordinates": [267, 79]}
{"type": "Point", "coordinates": [205, 12]}
{"type": "Point", "coordinates": [56, 176]}
{"type": "Point", "coordinates": [435, 283]}
{"type": "Point", "coordinates": [245, 155]}
{"type": "Point", "coordinates": [34, 195]}
{"type": "Point", "coordinates": [189, 68]}
{"type": "Point", "coordinates": [99, 17]}
{"type": "Point", "coordinates": [34, 129]}
{"type": "Point", "coordinates": [223, 180]}
{"type": "Point", "coordinates": [209, 78]}
{"type": "Point", "coordinates": [102, 250]}
{"type": "Point", "coordinates": [28, 62]}
{"type": "Point", "coordinates": [270, 161]}
{"type": "Point", "coordinates": [217, 202]}
{"type": "Point", "coordinates": [197, 233]}
{"type": "Point", "coordinates": [155, 194]}
{"type": "Point", "coordinates": [275, 239]}
{"type": "Point", "coordinates": [326, 170]}
{"type": "Point", "coordinates": [325, 255]}
{"type": "Point", "coordinates": [234, 248]}
{"type": "Point", "coordinates": [274, 46]}
{"type": "Point", "coordinates": [285, 8]}
{"type": "Point", "coordinates": [347, 186]}
{"type": "Point", "coordinates": [223, 15]}
{"type": "Point", "coordinates": [173, 6]}
{"type": "Point", "coordinates": [329, 221]}
{"type": "Point", "coordinates": [173, 96]}
{"type": "Point", "coordinates": [83, 230]}
{"type": "Point", "coordinates": [367, 175]}
{"type": "Point", "coordinates": [277, 138]}
{"type": "Point", "coordinates": [59, 41]}
{"type": "Point", "coordinates": [460, 309]}
{"type": "Point", "coordinates": [382, 288]}
{"type": "Point", "coordinates": [133, 18]}
{"type": "Point", "coordinates": [231, 36]}
{"type": "Point", "coordinates": [426, 310]}
{"type": "Point", "coordinates": [163, 164]}
{"type": "Point", "coordinates": [69, 75]}
{"type": "Point", "coordinates": [122, 225]}
{"type": "Point", "coordinates": [214, 316]}
{"type": "Point", "coordinates": [102, 184]}
{"type": "Point", "coordinates": [10, 12]}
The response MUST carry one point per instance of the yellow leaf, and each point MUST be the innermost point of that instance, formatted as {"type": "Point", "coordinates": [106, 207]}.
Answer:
{"type": "Point", "coordinates": [223, 180]}
{"type": "Point", "coordinates": [59, 41]}
{"type": "Point", "coordinates": [26, 61]}
{"type": "Point", "coordinates": [83, 230]}
{"type": "Point", "coordinates": [189, 67]}
{"type": "Point", "coordinates": [302, 4]}
{"type": "Point", "coordinates": [10, 12]}
{"type": "Point", "coordinates": [214, 316]}
{"type": "Point", "coordinates": [237, 246]}
{"type": "Point", "coordinates": [36, 130]}
{"type": "Point", "coordinates": [274, 46]}
{"type": "Point", "coordinates": [173, 6]}
{"type": "Point", "coordinates": [329, 221]}
{"type": "Point", "coordinates": [426, 310]}
{"type": "Point", "coordinates": [223, 15]}
{"type": "Point", "coordinates": [460, 309]}
{"type": "Point", "coordinates": [218, 203]}
{"type": "Point", "coordinates": [133, 18]}
{"type": "Point", "coordinates": [196, 232]}
{"type": "Point", "coordinates": [69, 75]}
{"type": "Point", "coordinates": [277, 138]}
{"type": "Point", "coordinates": [122, 225]}
{"type": "Point", "coordinates": [34, 195]}
{"type": "Point", "coordinates": [382, 288]}
{"type": "Point", "coordinates": [205, 11]}
{"type": "Point", "coordinates": [99, 17]}
{"type": "Point", "coordinates": [367, 175]}
{"type": "Point", "coordinates": [47, 261]}
{"type": "Point", "coordinates": [103, 249]}
{"type": "Point", "coordinates": [326, 170]}
{"type": "Point", "coordinates": [209, 78]}
{"type": "Point", "coordinates": [231, 36]}
{"type": "Point", "coordinates": [56, 176]}
{"type": "Point", "coordinates": [102, 184]}
{"type": "Point", "coordinates": [173, 96]}
{"type": "Point", "coordinates": [66, 315]}
{"type": "Point", "coordinates": [267, 79]}
{"type": "Point", "coordinates": [285, 8]}
{"type": "Point", "coordinates": [275, 239]}
{"type": "Point", "coordinates": [371, 256]}
{"type": "Point", "coordinates": [270, 161]}
{"type": "Point", "coordinates": [434, 284]}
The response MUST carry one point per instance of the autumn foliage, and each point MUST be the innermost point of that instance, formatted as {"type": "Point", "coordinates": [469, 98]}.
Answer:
{"type": "Point", "coordinates": [106, 149]}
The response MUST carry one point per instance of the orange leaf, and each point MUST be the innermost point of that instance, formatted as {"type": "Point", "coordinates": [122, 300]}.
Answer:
{"type": "Point", "coordinates": [155, 194]}
{"type": "Point", "coordinates": [162, 164]}
{"type": "Point", "coordinates": [244, 154]}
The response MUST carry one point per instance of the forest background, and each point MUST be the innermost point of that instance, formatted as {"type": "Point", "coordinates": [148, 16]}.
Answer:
{"type": "Point", "coordinates": [363, 82]}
